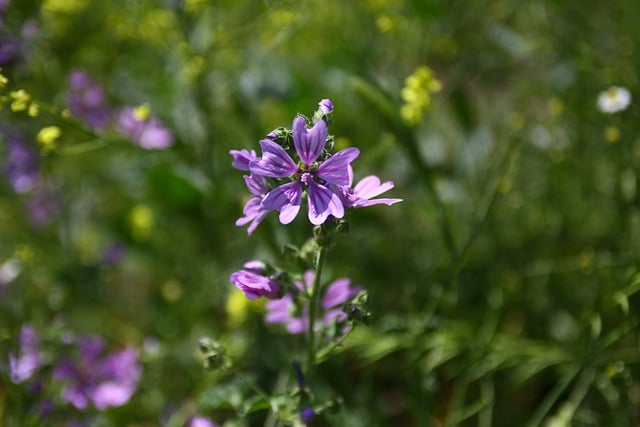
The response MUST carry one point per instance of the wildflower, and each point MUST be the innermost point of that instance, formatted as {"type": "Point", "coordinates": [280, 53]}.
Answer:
{"type": "Point", "coordinates": [28, 360]}
{"type": "Point", "coordinates": [326, 106]}
{"type": "Point", "coordinates": [9, 270]}
{"type": "Point", "coordinates": [416, 94]}
{"type": "Point", "coordinates": [47, 137]}
{"type": "Point", "coordinates": [3, 80]}
{"type": "Point", "coordinates": [253, 212]}
{"type": "Point", "coordinates": [20, 100]}
{"type": "Point", "coordinates": [200, 421]}
{"type": "Point", "coordinates": [614, 99]}
{"type": "Point", "coordinates": [309, 174]}
{"type": "Point", "coordinates": [253, 281]}
{"type": "Point", "coordinates": [86, 101]}
{"type": "Point", "coordinates": [366, 189]}
{"type": "Point", "coordinates": [43, 204]}
{"type": "Point", "coordinates": [98, 379]}
{"type": "Point", "coordinates": [148, 132]}
{"type": "Point", "coordinates": [22, 166]}
{"type": "Point", "coordinates": [293, 313]}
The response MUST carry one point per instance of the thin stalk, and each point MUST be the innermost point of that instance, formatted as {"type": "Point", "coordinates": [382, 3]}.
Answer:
{"type": "Point", "coordinates": [313, 304]}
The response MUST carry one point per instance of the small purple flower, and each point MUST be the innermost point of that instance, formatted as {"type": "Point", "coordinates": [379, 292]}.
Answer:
{"type": "Point", "coordinates": [113, 254]}
{"type": "Point", "coordinates": [326, 106]}
{"type": "Point", "coordinates": [307, 414]}
{"type": "Point", "coordinates": [200, 421]}
{"type": "Point", "coordinates": [86, 100]}
{"type": "Point", "coordinates": [309, 174]}
{"type": "Point", "coordinates": [253, 212]}
{"type": "Point", "coordinates": [294, 314]}
{"type": "Point", "coordinates": [22, 166]}
{"type": "Point", "coordinates": [254, 282]}
{"type": "Point", "coordinates": [27, 361]}
{"type": "Point", "coordinates": [9, 48]}
{"type": "Point", "coordinates": [365, 190]}
{"type": "Point", "coordinates": [43, 204]}
{"type": "Point", "coordinates": [148, 133]}
{"type": "Point", "coordinates": [242, 158]}
{"type": "Point", "coordinates": [95, 378]}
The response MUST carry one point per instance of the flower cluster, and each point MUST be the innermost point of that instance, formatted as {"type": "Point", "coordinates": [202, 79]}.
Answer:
{"type": "Point", "coordinates": [87, 101]}
{"type": "Point", "coordinates": [416, 94]}
{"type": "Point", "coordinates": [103, 380]}
{"type": "Point", "coordinates": [88, 375]}
{"type": "Point", "coordinates": [302, 162]}
{"type": "Point", "coordinates": [292, 312]}
{"type": "Point", "coordinates": [23, 173]}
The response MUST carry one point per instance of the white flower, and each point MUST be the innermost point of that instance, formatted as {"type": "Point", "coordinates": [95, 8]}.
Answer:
{"type": "Point", "coordinates": [614, 99]}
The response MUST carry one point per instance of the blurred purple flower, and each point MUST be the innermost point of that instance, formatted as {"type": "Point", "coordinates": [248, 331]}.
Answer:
{"type": "Point", "coordinates": [365, 190]}
{"type": "Point", "coordinates": [22, 166]}
{"type": "Point", "coordinates": [27, 361]}
{"type": "Point", "coordinates": [98, 379]}
{"type": "Point", "coordinates": [309, 144]}
{"type": "Point", "coordinates": [113, 254]}
{"type": "Point", "coordinates": [294, 315]}
{"type": "Point", "coordinates": [43, 204]}
{"type": "Point", "coordinates": [10, 47]}
{"type": "Point", "coordinates": [200, 421]}
{"type": "Point", "coordinates": [86, 101]}
{"type": "Point", "coordinates": [253, 281]}
{"type": "Point", "coordinates": [148, 133]}
{"type": "Point", "coordinates": [29, 29]}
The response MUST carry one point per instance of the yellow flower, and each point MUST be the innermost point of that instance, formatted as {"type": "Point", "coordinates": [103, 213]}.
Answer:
{"type": "Point", "coordinates": [20, 100]}
{"type": "Point", "coordinates": [47, 137]}
{"type": "Point", "coordinates": [141, 113]}
{"type": "Point", "coordinates": [3, 80]}
{"type": "Point", "coordinates": [612, 134]}
{"type": "Point", "coordinates": [141, 220]}
{"type": "Point", "coordinates": [416, 94]}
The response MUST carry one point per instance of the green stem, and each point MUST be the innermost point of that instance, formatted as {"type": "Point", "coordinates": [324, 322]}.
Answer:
{"type": "Point", "coordinates": [313, 303]}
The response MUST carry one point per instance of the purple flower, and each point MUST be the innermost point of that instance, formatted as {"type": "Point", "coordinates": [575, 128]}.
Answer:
{"type": "Point", "coordinates": [309, 174]}
{"type": "Point", "coordinates": [254, 282]}
{"type": "Point", "coordinates": [242, 158]}
{"type": "Point", "coordinates": [98, 379]}
{"type": "Point", "coordinates": [43, 204]}
{"type": "Point", "coordinates": [252, 210]}
{"type": "Point", "coordinates": [200, 421]}
{"type": "Point", "coordinates": [86, 100]}
{"type": "Point", "coordinates": [326, 106]}
{"type": "Point", "coordinates": [366, 189]}
{"type": "Point", "coordinates": [22, 166]}
{"type": "Point", "coordinates": [148, 133]}
{"type": "Point", "coordinates": [294, 314]}
{"type": "Point", "coordinates": [27, 361]}
{"type": "Point", "coordinates": [9, 48]}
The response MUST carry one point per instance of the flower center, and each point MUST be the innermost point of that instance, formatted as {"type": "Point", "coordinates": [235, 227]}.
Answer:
{"type": "Point", "coordinates": [306, 177]}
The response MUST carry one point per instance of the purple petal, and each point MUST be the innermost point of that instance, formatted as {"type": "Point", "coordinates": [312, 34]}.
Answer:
{"type": "Point", "coordinates": [278, 311]}
{"type": "Point", "coordinates": [111, 393]}
{"type": "Point", "coordinates": [242, 158]}
{"type": "Point", "coordinates": [370, 186]}
{"type": "Point", "coordinates": [275, 162]}
{"type": "Point", "coordinates": [284, 199]}
{"type": "Point", "coordinates": [256, 184]}
{"type": "Point", "coordinates": [309, 143]}
{"type": "Point", "coordinates": [337, 293]}
{"type": "Point", "coordinates": [335, 169]}
{"type": "Point", "coordinates": [322, 203]}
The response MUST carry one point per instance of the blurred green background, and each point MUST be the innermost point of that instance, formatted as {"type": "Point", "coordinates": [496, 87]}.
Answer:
{"type": "Point", "coordinates": [503, 289]}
